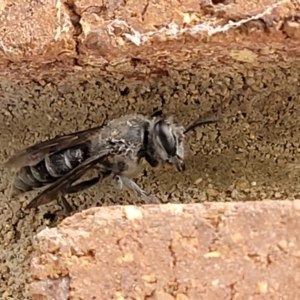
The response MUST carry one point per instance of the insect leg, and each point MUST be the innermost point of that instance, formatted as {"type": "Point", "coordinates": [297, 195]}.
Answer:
{"type": "Point", "coordinates": [151, 160]}
{"type": "Point", "coordinates": [65, 211]}
{"type": "Point", "coordinates": [103, 172]}
{"type": "Point", "coordinates": [67, 208]}
{"type": "Point", "coordinates": [82, 185]}
{"type": "Point", "coordinates": [133, 186]}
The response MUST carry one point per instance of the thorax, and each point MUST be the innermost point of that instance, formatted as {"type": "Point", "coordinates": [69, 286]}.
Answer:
{"type": "Point", "coordinates": [125, 136]}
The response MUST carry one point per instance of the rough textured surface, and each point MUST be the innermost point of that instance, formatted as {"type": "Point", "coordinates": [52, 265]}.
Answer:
{"type": "Point", "coordinates": [133, 38]}
{"type": "Point", "coordinates": [211, 251]}
{"type": "Point", "coordinates": [255, 155]}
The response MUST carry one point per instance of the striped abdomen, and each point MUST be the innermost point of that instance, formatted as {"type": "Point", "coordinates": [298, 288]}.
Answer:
{"type": "Point", "coordinates": [49, 170]}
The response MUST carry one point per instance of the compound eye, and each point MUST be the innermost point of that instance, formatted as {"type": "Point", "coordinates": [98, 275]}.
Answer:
{"type": "Point", "coordinates": [166, 138]}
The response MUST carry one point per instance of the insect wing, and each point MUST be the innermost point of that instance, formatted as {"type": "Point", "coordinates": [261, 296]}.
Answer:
{"type": "Point", "coordinates": [36, 153]}
{"type": "Point", "coordinates": [58, 188]}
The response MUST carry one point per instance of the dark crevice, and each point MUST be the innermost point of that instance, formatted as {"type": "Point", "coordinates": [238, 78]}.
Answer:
{"type": "Point", "coordinates": [125, 91]}
{"type": "Point", "coordinates": [145, 8]}
{"type": "Point", "coordinates": [174, 285]}
{"type": "Point", "coordinates": [75, 20]}
{"type": "Point", "coordinates": [157, 112]}
{"type": "Point", "coordinates": [216, 2]}
{"type": "Point", "coordinates": [172, 252]}
{"type": "Point", "coordinates": [50, 216]}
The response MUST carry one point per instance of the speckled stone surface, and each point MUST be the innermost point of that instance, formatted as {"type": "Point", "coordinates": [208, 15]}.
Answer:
{"type": "Point", "coordinates": [220, 251]}
{"type": "Point", "coordinates": [67, 65]}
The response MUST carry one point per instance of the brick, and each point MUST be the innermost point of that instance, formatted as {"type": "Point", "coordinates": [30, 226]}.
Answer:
{"type": "Point", "coordinates": [244, 250]}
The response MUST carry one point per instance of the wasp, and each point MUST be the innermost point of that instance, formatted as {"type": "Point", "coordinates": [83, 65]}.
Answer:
{"type": "Point", "coordinates": [115, 149]}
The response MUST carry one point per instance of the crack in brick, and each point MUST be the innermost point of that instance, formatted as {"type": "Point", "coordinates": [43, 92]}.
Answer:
{"type": "Point", "coordinates": [172, 252]}
{"type": "Point", "coordinates": [145, 8]}
{"type": "Point", "coordinates": [173, 284]}
{"type": "Point", "coordinates": [233, 290]}
{"type": "Point", "coordinates": [172, 29]}
{"type": "Point", "coordinates": [75, 20]}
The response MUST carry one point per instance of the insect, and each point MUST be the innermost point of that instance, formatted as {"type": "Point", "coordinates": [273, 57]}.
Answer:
{"type": "Point", "coordinates": [116, 149]}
